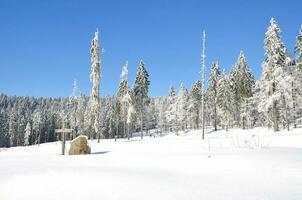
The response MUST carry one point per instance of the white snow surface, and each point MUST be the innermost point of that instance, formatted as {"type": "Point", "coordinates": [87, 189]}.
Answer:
{"type": "Point", "coordinates": [243, 164]}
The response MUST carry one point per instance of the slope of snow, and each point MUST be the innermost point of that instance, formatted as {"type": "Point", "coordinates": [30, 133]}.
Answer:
{"type": "Point", "coordinates": [240, 164]}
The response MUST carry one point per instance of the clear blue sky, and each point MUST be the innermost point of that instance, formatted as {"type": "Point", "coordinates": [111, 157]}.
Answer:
{"type": "Point", "coordinates": [44, 45]}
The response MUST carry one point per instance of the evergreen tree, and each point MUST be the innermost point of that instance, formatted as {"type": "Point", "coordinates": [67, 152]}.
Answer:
{"type": "Point", "coordinates": [140, 89]}
{"type": "Point", "coordinates": [171, 112]}
{"type": "Point", "coordinates": [130, 112]}
{"type": "Point", "coordinates": [80, 115]}
{"type": "Point", "coordinates": [72, 115]}
{"type": "Point", "coordinates": [161, 107]}
{"type": "Point", "coordinates": [298, 49]}
{"type": "Point", "coordinates": [272, 71]}
{"type": "Point", "coordinates": [4, 129]}
{"type": "Point", "coordinates": [212, 93]}
{"type": "Point", "coordinates": [13, 127]}
{"type": "Point", "coordinates": [182, 103]}
{"type": "Point", "coordinates": [122, 107]}
{"type": "Point", "coordinates": [242, 83]}
{"type": "Point", "coordinates": [27, 134]}
{"type": "Point", "coordinates": [194, 105]}
{"type": "Point", "coordinates": [224, 100]}
{"type": "Point", "coordinates": [37, 126]}
{"type": "Point", "coordinates": [95, 78]}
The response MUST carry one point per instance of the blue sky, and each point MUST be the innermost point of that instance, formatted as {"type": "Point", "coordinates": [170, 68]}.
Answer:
{"type": "Point", "coordinates": [44, 45]}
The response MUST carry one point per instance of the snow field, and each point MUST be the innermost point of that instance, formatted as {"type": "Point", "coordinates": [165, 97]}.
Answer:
{"type": "Point", "coordinates": [170, 167]}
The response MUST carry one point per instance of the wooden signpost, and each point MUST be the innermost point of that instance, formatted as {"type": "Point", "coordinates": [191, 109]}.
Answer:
{"type": "Point", "coordinates": [63, 131]}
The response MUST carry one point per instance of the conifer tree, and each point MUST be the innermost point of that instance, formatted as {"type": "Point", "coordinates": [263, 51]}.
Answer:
{"type": "Point", "coordinates": [242, 82]}
{"type": "Point", "coordinates": [122, 106]}
{"type": "Point", "coordinates": [95, 78]}
{"type": "Point", "coordinates": [212, 93]}
{"type": "Point", "coordinates": [273, 69]}
{"type": "Point", "coordinates": [298, 49]}
{"type": "Point", "coordinates": [171, 112]}
{"type": "Point", "coordinates": [27, 134]}
{"type": "Point", "coordinates": [182, 99]}
{"type": "Point", "coordinates": [194, 105]}
{"type": "Point", "coordinates": [224, 100]}
{"type": "Point", "coordinates": [140, 89]}
{"type": "Point", "coordinates": [73, 110]}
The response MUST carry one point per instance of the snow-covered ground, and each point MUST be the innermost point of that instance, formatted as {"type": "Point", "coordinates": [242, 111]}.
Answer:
{"type": "Point", "coordinates": [242, 164]}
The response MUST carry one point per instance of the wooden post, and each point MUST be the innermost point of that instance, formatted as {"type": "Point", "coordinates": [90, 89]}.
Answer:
{"type": "Point", "coordinates": [63, 131]}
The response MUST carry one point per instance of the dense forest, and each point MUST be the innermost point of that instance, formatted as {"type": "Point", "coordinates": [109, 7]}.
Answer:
{"type": "Point", "coordinates": [234, 99]}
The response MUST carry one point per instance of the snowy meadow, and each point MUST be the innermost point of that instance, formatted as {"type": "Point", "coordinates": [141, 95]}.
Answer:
{"type": "Point", "coordinates": [250, 164]}
{"type": "Point", "coordinates": [229, 136]}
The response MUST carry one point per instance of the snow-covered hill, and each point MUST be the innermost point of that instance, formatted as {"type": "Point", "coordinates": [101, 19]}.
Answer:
{"type": "Point", "coordinates": [241, 164]}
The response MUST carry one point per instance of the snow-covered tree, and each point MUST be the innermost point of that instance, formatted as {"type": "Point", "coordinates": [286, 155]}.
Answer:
{"type": "Point", "coordinates": [95, 78]}
{"type": "Point", "coordinates": [182, 102]}
{"type": "Point", "coordinates": [13, 127]}
{"type": "Point", "coordinates": [212, 93]}
{"type": "Point", "coordinates": [298, 49]}
{"type": "Point", "coordinates": [194, 105]}
{"type": "Point", "coordinates": [122, 106]}
{"type": "Point", "coordinates": [242, 82]}
{"type": "Point", "coordinates": [37, 126]}
{"type": "Point", "coordinates": [3, 128]}
{"type": "Point", "coordinates": [161, 107]}
{"type": "Point", "coordinates": [127, 100]}
{"type": "Point", "coordinates": [80, 115]}
{"type": "Point", "coordinates": [72, 115]}
{"type": "Point", "coordinates": [140, 89]}
{"type": "Point", "coordinates": [273, 69]}
{"type": "Point", "coordinates": [171, 112]}
{"type": "Point", "coordinates": [224, 100]}
{"type": "Point", "coordinates": [27, 134]}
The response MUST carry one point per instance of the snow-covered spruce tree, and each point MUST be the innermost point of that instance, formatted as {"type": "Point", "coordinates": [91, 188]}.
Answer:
{"type": "Point", "coordinates": [235, 104]}
{"type": "Point", "coordinates": [140, 89]}
{"type": "Point", "coordinates": [161, 107]}
{"type": "Point", "coordinates": [295, 114]}
{"type": "Point", "coordinates": [255, 118]}
{"type": "Point", "coordinates": [182, 102]}
{"type": "Point", "coordinates": [298, 49]}
{"type": "Point", "coordinates": [212, 93]}
{"type": "Point", "coordinates": [273, 68]}
{"type": "Point", "coordinates": [289, 87]}
{"type": "Point", "coordinates": [194, 105]}
{"type": "Point", "coordinates": [12, 127]}
{"type": "Point", "coordinates": [171, 112]}
{"type": "Point", "coordinates": [27, 134]}
{"type": "Point", "coordinates": [296, 84]}
{"type": "Point", "coordinates": [80, 114]}
{"type": "Point", "coordinates": [242, 82]}
{"type": "Point", "coordinates": [95, 78]}
{"type": "Point", "coordinates": [224, 100]}
{"type": "Point", "coordinates": [122, 106]}
{"type": "Point", "coordinates": [109, 119]}
{"type": "Point", "coordinates": [151, 115]}
{"type": "Point", "coordinates": [130, 117]}
{"type": "Point", "coordinates": [37, 126]}
{"type": "Point", "coordinates": [72, 115]}
{"type": "Point", "coordinates": [3, 128]}
{"type": "Point", "coordinates": [128, 99]}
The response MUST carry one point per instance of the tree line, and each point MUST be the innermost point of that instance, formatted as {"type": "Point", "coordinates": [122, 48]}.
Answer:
{"type": "Point", "coordinates": [234, 99]}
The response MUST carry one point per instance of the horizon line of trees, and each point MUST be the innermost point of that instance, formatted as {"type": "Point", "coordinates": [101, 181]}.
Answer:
{"type": "Point", "coordinates": [232, 100]}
